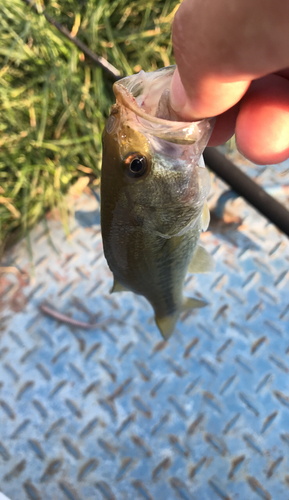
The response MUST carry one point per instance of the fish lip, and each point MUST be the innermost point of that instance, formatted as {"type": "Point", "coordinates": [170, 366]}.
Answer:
{"type": "Point", "coordinates": [181, 132]}
{"type": "Point", "coordinates": [127, 99]}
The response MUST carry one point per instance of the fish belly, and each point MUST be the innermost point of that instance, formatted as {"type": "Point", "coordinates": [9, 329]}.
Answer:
{"type": "Point", "coordinates": [152, 266]}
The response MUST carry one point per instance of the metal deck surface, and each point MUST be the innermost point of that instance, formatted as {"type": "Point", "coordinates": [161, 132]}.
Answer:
{"type": "Point", "coordinates": [117, 413]}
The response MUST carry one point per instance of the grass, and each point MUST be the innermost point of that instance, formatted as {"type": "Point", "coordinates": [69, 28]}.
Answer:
{"type": "Point", "coordinates": [54, 101]}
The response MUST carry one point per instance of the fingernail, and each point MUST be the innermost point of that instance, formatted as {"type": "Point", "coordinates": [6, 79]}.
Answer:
{"type": "Point", "coordinates": [178, 95]}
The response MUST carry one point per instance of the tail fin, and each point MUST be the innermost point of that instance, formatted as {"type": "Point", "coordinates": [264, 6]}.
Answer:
{"type": "Point", "coordinates": [167, 324]}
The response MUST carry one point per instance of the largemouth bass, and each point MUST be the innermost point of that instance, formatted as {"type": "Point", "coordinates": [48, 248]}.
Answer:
{"type": "Point", "coordinates": [154, 187]}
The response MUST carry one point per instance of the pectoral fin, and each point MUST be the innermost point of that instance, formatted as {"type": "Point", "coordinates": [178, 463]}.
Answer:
{"type": "Point", "coordinates": [117, 287]}
{"type": "Point", "coordinates": [202, 261]}
{"type": "Point", "coordinates": [205, 217]}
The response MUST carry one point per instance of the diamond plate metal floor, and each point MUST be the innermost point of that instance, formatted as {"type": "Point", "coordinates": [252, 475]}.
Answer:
{"type": "Point", "coordinates": [117, 413]}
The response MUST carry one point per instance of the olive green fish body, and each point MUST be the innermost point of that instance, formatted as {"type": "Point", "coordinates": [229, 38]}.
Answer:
{"type": "Point", "coordinates": [149, 264]}
{"type": "Point", "coordinates": [153, 192]}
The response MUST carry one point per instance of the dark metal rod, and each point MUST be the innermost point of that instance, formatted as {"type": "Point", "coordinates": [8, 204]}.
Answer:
{"type": "Point", "coordinates": [111, 71]}
{"type": "Point", "coordinates": [268, 206]}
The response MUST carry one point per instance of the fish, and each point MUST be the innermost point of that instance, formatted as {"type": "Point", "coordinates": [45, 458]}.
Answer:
{"type": "Point", "coordinates": [154, 186]}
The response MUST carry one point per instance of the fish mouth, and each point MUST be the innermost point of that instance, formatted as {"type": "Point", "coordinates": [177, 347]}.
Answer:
{"type": "Point", "coordinates": [146, 95]}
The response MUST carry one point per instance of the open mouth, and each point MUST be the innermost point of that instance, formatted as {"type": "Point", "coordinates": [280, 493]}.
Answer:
{"type": "Point", "coordinates": [147, 96]}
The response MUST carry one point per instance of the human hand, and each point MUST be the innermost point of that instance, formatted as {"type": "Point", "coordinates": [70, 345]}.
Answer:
{"type": "Point", "coordinates": [233, 62]}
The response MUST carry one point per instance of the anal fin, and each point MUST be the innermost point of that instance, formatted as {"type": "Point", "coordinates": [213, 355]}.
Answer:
{"type": "Point", "coordinates": [190, 303]}
{"type": "Point", "coordinates": [117, 287]}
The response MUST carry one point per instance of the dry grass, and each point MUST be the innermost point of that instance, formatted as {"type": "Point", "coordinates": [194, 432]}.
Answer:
{"type": "Point", "coordinates": [54, 101]}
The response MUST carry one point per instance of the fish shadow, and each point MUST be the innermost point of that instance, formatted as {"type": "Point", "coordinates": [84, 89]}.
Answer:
{"type": "Point", "coordinates": [88, 219]}
{"type": "Point", "coordinates": [228, 231]}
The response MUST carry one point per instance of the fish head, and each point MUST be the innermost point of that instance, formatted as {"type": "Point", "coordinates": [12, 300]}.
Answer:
{"type": "Point", "coordinates": [152, 161]}
{"type": "Point", "coordinates": [126, 152]}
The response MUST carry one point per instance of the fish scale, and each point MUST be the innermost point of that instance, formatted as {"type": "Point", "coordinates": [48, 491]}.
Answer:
{"type": "Point", "coordinates": [171, 274]}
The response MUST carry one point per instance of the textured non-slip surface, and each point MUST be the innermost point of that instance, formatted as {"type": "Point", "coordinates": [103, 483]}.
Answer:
{"type": "Point", "coordinates": [117, 413]}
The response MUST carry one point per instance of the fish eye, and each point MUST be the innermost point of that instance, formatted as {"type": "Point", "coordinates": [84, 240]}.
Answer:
{"type": "Point", "coordinates": [136, 165]}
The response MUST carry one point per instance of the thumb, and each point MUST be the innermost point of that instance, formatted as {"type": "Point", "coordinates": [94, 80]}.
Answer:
{"type": "Point", "coordinates": [204, 98]}
{"type": "Point", "coordinates": [220, 48]}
